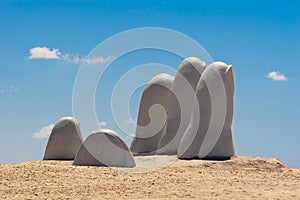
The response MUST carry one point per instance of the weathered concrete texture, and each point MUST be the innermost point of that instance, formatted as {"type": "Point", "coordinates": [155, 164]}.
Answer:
{"type": "Point", "coordinates": [209, 134]}
{"type": "Point", "coordinates": [180, 104]}
{"type": "Point", "coordinates": [152, 114]}
{"type": "Point", "coordinates": [64, 141]}
{"type": "Point", "coordinates": [104, 148]}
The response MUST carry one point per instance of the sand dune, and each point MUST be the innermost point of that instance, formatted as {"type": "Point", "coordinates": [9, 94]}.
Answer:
{"type": "Point", "coordinates": [238, 178]}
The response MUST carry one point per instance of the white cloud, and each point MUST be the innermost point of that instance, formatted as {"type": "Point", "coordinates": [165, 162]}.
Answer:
{"type": "Point", "coordinates": [277, 76]}
{"type": "Point", "coordinates": [129, 122]}
{"type": "Point", "coordinates": [13, 88]}
{"type": "Point", "coordinates": [43, 132]}
{"type": "Point", "coordinates": [103, 123]}
{"type": "Point", "coordinates": [96, 60]}
{"type": "Point", "coordinates": [44, 53]}
{"type": "Point", "coordinates": [129, 129]}
{"type": "Point", "coordinates": [68, 58]}
{"type": "Point", "coordinates": [130, 136]}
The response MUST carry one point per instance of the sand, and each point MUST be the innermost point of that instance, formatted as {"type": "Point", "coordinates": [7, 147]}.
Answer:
{"type": "Point", "coordinates": [238, 178]}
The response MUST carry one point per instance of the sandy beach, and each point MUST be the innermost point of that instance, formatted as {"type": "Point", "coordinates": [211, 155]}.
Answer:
{"type": "Point", "coordinates": [239, 178]}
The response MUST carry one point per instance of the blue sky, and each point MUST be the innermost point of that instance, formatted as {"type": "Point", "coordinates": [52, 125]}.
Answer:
{"type": "Point", "coordinates": [259, 39]}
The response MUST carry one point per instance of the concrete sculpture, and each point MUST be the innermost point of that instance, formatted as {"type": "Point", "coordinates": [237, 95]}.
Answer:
{"type": "Point", "coordinates": [179, 114]}
{"type": "Point", "coordinates": [209, 134]}
{"type": "Point", "coordinates": [64, 141]}
{"type": "Point", "coordinates": [152, 114]}
{"type": "Point", "coordinates": [104, 148]}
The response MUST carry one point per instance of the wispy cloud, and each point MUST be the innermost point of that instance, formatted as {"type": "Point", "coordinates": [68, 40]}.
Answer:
{"type": "Point", "coordinates": [43, 132]}
{"type": "Point", "coordinates": [10, 89]}
{"type": "Point", "coordinates": [47, 53]}
{"type": "Point", "coordinates": [68, 58]}
{"type": "Point", "coordinates": [44, 53]}
{"type": "Point", "coordinates": [130, 126]}
{"type": "Point", "coordinates": [13, 88]}
{"type": "Point", "coordinates": [129, 122]}
{"type": "Point", "coordinates": [96, 60]}
{"type": "Point", "coordinates": [103, 123]}
{"type": "Point", "coordinates": [130, 136]}
{"type": "Point", "coordinates": [277, 76]}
